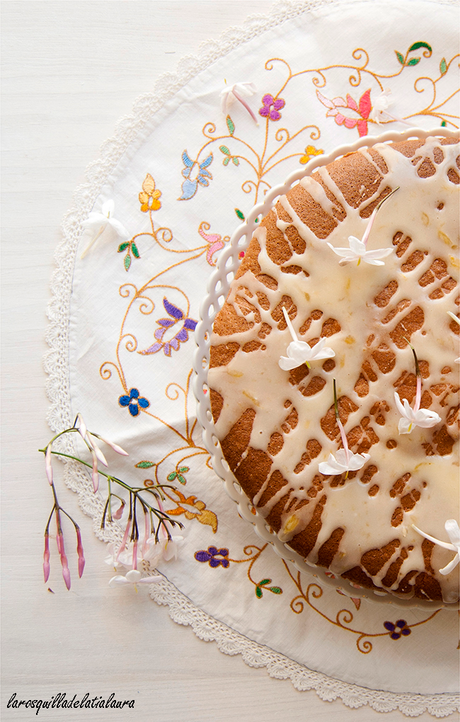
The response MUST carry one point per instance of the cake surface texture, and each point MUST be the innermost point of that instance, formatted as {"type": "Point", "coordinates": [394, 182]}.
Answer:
{"type": "Point", "coordinates": [394, 347]}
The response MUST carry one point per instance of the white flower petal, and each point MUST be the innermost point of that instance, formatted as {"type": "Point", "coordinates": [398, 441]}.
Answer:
{"type": "Point", "coordinates": [426, 419]}
{"type": "Point", "coordinates": [453, 530]}
{"type": "Point", "coordinates": [451, 566]}
{"type": "Point", "coordinates": [405, 426]}
{"type": "Point", "coordinates": [117, 580]}
{"type": "Point", "coordinates": [108, 208]}
{"type": "Point", "coordinates": [287, 363]}
{"type": "Point", "coordinates": [357, 461]}
{"type": "Point", "coordinates": [357, 246]}
{"type": "Point", "coordinates": [378, 253]}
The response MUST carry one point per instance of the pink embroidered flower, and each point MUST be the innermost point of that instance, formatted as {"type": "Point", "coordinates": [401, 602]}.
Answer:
{"type": "Point", "coordinates": [362, 109]}
{"type": "Point", "coordinates": [271, 107]}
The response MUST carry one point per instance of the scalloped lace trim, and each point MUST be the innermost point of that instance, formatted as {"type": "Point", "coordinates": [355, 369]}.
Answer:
{"type": "Point", "coordinates": [56, 365]}
{"type": "Point", "coordinates": [183, 611]}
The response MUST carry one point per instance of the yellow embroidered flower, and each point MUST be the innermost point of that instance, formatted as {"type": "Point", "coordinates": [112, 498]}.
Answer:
{"type": "Point", "coordinates": [149, 196]}
{"type": "Point", "coordinates": [310, 151]}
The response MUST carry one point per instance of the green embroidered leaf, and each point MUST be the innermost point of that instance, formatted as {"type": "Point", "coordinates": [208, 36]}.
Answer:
{"type": "Point", "coordinates": [443, 66]}
{"type": "Point", "coordinates": [264, 582]}
{"type": "Point", "coordinates": [172, 476]}
{"type": "Point", "coordinates": [144, 465]}
{"type": "Point", "coordinates": [224, 149]}
{"type": "Point", "coordinates": [226, 161]}
{"type": "Point", "coordinates": [235, 161]}
{"type": "Point", "coordinates": [240, 214]}
{"type": "Point", "coordinates": [123, 246]}
{"type": "Point", "coordinates": [230, 125]}
{"type": "Point", "coordinates": [443, 124]}
{"type": "Point", "coordinates": [127, 262]}
{"type": "Point", "coordinates": [418, 45]}
{"type": "Point", "coordinates": [400, 57]}
{"type": "Point", "coordinates": [181, 479]}
{"type": "Point", "coordinates": [183, 469]}
{"type": "Point", "coordinates": [413, 61]}
{"type": "Point", "coordinates": [135, 250]}
{"type": "Point", "coordinates": [276, 590]}
{"type": "Point", "coordinates": [259, 592]}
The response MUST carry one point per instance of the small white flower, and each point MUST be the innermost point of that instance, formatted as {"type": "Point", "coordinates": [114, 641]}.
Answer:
{"type": "Point", "coordinates": [299, 352]}
{"type": "Point", "coordinates": [97, 222]}
{"type": "Point", "coordinates": [380, 106]}
{"type": "Point", "coordinates": [357, 252]}
{"type": "Point", "coordinates": [414, 417]}
{"type": "Point", "coordinates": [357, 248]}
{"type": "Point", "coordinates": [116, 560]}
{"type": "Point", "coordinates": [164, 550]}
{"type": "Point", "coordinates": [453, 532]}
{"type": "Point", "coordinates": [133, 577]}
{"type": "Point", "coordinates": [343, 462]}
{"type": "Point", "coordinates": [457, 319]}
{"type": "Point", "coordinates": [235, 92]}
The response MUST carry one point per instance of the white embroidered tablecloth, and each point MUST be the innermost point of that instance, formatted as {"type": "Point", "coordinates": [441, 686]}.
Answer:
{"type": "Point", "coordinates": [182, 175]}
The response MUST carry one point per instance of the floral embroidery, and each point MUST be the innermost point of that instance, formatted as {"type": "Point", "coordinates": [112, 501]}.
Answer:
{"type": "Point", "coordinates": [310, 152]}
{"type": "Point", "coordinates": [149, 195]}
{"type": "Point", "coordinates": [133, 402]}
{"type": "Point", "coordinates": [263, 584]}
{"type": "Point", "coordinates": [214, 241]}
{"type": "Point", "coordinates": [362, 109]}
{"type": "Point", "coordinates": [191, 508]}
{"type": "Point", "coordinates": [271, 107]}
{"type": "Point", "coordinates": [165, 324]}
{"type": "Point", "coordinates": [195, 174]}
{"type": "Point", "coordinates": [216, 557]}
{"type": "Point", "coordinates": [398, 629]}
{"type": "Point", "coordinates": [228, 156]}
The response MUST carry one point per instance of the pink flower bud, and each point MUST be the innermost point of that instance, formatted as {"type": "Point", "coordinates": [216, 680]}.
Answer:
{"type": "Point", "coordinates": [135, 555]}
{"type": "Point", "coordinates": [119, 512]}
{"type": "Point", "coordinates": [46, 558]}
{"type": "Point", "coordinates": [124, 540]}
{"type": "Point", "coordinates": [48, 467]}
{"type": "Point", "coordinates": [81, 426]}
{"type": "Point", "coordinates": [95, 474]}
{"type": "Point", "coordinates": [113, 446]}
{"type": "Point", "coordinates": [64, 562]}
{"type": "Point", "coordinates": [81, 558]}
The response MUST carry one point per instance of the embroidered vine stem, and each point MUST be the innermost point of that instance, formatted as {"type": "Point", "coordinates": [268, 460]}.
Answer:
{"type": "Point", "coordinates": [343, 617]}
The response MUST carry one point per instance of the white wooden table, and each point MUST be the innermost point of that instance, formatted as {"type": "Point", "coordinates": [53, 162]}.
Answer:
{"type": "Point", "coordinates": [71, 70]}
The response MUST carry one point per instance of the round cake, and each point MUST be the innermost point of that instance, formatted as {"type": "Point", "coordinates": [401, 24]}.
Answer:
{"type": "Point", "coordinates": [334, 369]}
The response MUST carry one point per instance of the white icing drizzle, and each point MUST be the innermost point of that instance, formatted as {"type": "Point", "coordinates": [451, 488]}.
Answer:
{"type": "Point", "coordinates": [346, 293]}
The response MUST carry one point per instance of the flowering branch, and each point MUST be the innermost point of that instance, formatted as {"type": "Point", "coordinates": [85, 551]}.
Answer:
{"type": "Point", "coordinates": [156, 520]}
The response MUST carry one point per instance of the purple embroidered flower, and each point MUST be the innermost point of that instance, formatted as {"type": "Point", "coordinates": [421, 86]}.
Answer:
{"type": "Point", "coordinates": [195, 174]}
{"type": "Point", "coordinates": [165, 324]}
{"type": "Point", "coordinates": [133, 402]}
{"type": "Point", "coordinates": [216, 557]}
{"type": "Point", "coordinates": [271, 107]}
{"type": "Point", "coordinates": [398, 629]}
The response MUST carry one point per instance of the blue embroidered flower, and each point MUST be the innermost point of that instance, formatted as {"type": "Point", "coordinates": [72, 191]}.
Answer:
{"type": "Point", "coordinates": [398, 629]}
{"type": "Point", "coordinates": [133, 402]}
{"type": "Point", "coordinates": [212, 556]}
{"type": "Point", "coordinates": [176, 316]}
{"type": "Point", "coordinates": [195, 174]}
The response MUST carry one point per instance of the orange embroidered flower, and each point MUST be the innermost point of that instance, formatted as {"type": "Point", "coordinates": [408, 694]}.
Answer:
{"type": "Point", "coordinates": [149, 195]}
{"type": "Point", "coordinates": [310, 151]}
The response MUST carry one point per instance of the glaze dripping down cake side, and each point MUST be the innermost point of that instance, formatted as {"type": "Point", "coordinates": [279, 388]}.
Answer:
{"type": "Point", "coordinates": [276, 427]}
